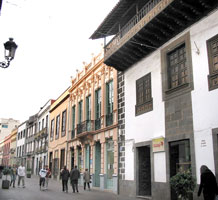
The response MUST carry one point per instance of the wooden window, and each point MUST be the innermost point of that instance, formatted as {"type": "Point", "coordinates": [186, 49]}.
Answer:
{"type": "Point", "coordinates": [57, 130]}
{"type": "Point", "coordinates": [212, 47]}
{"type": "Point", "coordinates": [52, 130]}
{"type": "Point", "coordinates": [177, 67]}
{"type": "Point", "coordinates": [63, 123]}
{"type": "Point", "coordinates": [143, 95]}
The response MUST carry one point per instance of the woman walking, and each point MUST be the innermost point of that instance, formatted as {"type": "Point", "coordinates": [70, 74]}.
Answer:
{"type": "Point", "coordinates": [208, 184]}
{"type": "Point", "coordinates": [86, 178]}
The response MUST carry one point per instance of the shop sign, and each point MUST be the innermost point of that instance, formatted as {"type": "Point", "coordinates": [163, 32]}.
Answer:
{"type": "Point", "coordinates": [158, 144]}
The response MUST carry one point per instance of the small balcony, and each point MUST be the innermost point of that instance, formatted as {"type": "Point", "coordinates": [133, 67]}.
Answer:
{"type": "Point", "coordinates": [109, 119]}
{"type": "Point", "coordinates": [86, 126]}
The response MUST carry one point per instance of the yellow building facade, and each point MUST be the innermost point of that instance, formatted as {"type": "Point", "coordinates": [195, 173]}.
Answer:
{"type": "Point", "coordinates": [93, 123]}
{"type": "Point", "coordinates": [58, 134]}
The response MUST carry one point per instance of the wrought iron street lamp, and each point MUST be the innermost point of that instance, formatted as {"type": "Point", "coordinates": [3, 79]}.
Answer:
{"type": "Point", "coordinates": [10, 48]}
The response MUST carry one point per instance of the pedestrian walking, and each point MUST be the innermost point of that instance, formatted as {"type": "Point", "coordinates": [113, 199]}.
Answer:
{"type": "Point", "coordinates": [208, 184]}
{"type": "Point", "coordinates": [47, 177]}
{"type": "Point", "coordinates": [74, 176]}
{"type": "Point", "coordinates": [13, 175]}
{"type": "Point", "coordinates": [86, 178]}
{"type": "Point", "coordinates": [42, 175]}
{"type": "Point", "coordinates": [21, 172]}
{"type": "Point", "coordinates": [65, 174]}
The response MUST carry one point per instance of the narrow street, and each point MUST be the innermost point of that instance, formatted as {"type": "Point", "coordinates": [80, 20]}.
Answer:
{"type": "Point", "coordinates": [54, 192]}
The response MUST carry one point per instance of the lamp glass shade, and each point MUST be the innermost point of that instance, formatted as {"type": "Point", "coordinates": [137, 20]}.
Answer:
{"type": "Point", "coordinates": [10, 49]}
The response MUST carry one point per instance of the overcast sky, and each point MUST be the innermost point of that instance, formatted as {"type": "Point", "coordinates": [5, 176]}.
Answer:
{"type": "Point", "coordinates": [53, 41]}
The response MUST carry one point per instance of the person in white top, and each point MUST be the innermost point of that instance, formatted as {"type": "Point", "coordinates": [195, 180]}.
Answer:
{"type": "Point", "coordinates": [42, 175]}
{"type": "Point", "coordinates": [21, 172]}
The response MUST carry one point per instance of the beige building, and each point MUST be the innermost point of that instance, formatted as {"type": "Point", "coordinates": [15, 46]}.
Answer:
{"type": "Point", "coordinates": [58, 134]}
{"type": "Point", "coordinates": [93, 123]}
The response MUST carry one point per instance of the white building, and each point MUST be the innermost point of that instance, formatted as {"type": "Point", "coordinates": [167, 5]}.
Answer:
{"type": "Point", "coordinates": [41, 137]}
{"type": "Point", "coordinates": [20, 149]}
{"type": "Point", "coordinates": [167, 91]}
{"type": "Point", "coordinates": [6, 126]}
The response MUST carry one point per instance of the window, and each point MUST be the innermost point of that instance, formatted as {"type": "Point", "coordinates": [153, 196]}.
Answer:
{"type": "Point", "coordinates": [212, 48]}
{"type": "Point", "coordinates": [144, 101]}
{"type": "Point", "coordinates": [97, 109]}
{"type": "Point", "coordinates": [4, 126]}
{"type": "Point", "coordinates": [52, 130]}
{"type": "Point", "coordinates": [46, 121]}
{"type": "Point", "coordinates": [177, 67]}
{"type": "Point", "coordinates": [73, 122]}
{"type": "Point", "coordinates": [43, 123]}
{"type": "Point", "coordinates": [63, 123]}
{"type": "Point", "coordinates": [73, 117]}
{"type": "Point", "coordinates": [98, 103]}
{"type": "Point", "coordinates": [39, 126]}
{"type": "Point", "coordinates": [57, 130]}
{"type": "Point", "coordinates": [109, 103]}
{"type": "Point", "coordinates": [88, 107]}
{"type": "Point", "coordinates": [80, 112]}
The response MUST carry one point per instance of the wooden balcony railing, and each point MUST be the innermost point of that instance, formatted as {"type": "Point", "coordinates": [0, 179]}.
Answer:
{"type": "Point", "coordinates": [149, 11]}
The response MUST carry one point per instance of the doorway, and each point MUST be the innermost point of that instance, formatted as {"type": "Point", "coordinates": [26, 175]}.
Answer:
{"type": "Point", "coordinates": [180, 160]}
{"type": "Point", "coordinates": [97, 164]}
{"type": "Point", "coordinates": [144, 171]}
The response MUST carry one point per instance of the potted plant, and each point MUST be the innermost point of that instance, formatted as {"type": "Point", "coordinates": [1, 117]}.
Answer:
{"type": "Point", "coordinates": [28, 172]}
{"type": "Point", "coordinates": [6, 183]}
{"type": "Point", "coordinates": [184, 184]}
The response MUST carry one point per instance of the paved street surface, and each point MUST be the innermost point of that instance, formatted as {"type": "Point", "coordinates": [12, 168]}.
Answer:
{"type": "Point", "coordinates": [54, 192]}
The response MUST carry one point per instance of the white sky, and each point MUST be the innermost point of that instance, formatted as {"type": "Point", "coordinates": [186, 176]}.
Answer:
{"type": "Point", "coordinates": [53, 41]}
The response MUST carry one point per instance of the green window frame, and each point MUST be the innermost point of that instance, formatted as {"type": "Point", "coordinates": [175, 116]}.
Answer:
{"type": "Point", "coordinates": [63, 123]}
{"type": "Point", "coordinates": [57, 130]}
{"type": "Point", "coordinates": [109, 97]}
{"type": "Point", "coordinates": [88, 107]}
{"type": "Point", "coordinates": [80, 112]}
{"type": "Point", "coordinates": [98, 103]}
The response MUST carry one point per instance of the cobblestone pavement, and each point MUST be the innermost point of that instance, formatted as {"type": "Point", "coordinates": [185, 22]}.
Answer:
{"type": "Point", "coordinates": [54, 192]}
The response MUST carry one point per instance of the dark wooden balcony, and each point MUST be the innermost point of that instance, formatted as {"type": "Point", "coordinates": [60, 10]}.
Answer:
{"type": "Point", "coordinates": [86, 126]}
{"type": "Point", "coordinates": [154, 24]}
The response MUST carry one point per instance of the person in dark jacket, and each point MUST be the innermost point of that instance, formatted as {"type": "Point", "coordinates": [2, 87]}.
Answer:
{"type": "Point", "coordinates": [208, 184]}
{"type": "Point", "coordinates": [74, 176]}
{"type": "Point", "coordinates": [65, 174]}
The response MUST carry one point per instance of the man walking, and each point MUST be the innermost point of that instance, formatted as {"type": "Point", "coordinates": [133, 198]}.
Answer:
{"type": "Point", "coordinates": [74, 176]}
{"type": "Point", "coordinates": [65, 176]}
{"type": "Point", "coordinates": [21, 172]}
{"type": "Point", "coordinates": [42, 175]}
